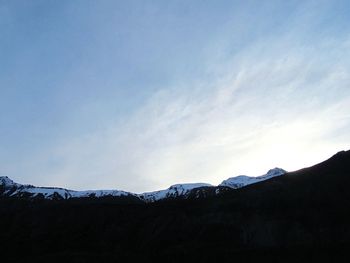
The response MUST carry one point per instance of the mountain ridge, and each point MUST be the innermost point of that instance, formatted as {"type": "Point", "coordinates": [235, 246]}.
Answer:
{"type": "Point", "coordinates": [302, 216]}
{"type": "Point", "coordinates": [9, 188]}
{"type": "Point", "coordinates": [184, 190]}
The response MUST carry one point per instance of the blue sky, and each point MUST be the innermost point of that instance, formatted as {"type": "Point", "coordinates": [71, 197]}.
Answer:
{"type": "Point", "coordinates": [139, 95]}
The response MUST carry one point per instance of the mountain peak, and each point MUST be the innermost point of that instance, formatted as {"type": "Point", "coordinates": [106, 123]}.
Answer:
{"type": "Point", "coordinates": [7, 182]}
{"type": "Point", "coordinates": [243, 180]}
{"type": "Point", "coordinates": [276, 171]}
{"type": "Point", "coordinates": [177, 190]}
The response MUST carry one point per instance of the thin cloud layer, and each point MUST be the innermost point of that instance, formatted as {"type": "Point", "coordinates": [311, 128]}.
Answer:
{"type": "Point", "coordinates": [278, 98]}
{"type": "Point", "coordinates": [276, 108]}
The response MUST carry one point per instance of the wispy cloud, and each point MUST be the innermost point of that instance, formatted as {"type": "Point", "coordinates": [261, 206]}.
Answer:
{"type": "Point", "coordinates": [279, 100]}
{"type": "Point", "coordinates": [278, 107]}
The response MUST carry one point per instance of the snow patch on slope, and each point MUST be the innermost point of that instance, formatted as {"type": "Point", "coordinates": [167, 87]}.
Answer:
{"type": "Point", "coordinates": [173, 191]}
{"type": "Point", "coordinates": [98, 193]}
{"type": "Point", "coordinates": [7, 182]}
{"type": "Point", "coordinates": [243, 180]}
{"type": "Point", "coordinates": [10, 188]}
{"type": "Point", "coordinates": [14, 189]}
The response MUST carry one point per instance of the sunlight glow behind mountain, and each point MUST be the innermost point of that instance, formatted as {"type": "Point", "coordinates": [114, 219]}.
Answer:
{"type": "Point", "coordinates": [140, 96]}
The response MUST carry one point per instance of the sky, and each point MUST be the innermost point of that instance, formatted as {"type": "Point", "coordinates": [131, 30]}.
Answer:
{"type": "Point", "coordinates": [140, 95]}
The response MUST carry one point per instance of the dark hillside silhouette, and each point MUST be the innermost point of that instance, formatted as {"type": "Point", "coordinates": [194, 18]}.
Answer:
{"type": "Point", "coordinates": [301, 216]}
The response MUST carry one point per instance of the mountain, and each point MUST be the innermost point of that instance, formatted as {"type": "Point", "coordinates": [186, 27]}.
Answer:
{"type": "Point", "coordinates": [243, 180]}
{"type": "Point", "coordinates": [302, 216]}
{"type": "Point", "coordinates": [10, 188]}
{"type": "Point", "coordinates": [174, 191]}
{"type": "Point", "coordinates": [7, 182]}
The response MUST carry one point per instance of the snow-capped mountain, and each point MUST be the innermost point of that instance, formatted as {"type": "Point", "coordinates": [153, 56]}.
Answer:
{"type": "Point", "coordinates": [243, 180]}
{"type": "Point", "coordinates": [173, 191]}
{"type": "Point", "coordinates": [5, 181]}
{"type": "Point", "coordinates": [10, 188]}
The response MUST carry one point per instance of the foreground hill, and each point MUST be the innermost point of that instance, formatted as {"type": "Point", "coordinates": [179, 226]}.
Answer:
{"type": "Point", "coordinates": [300, 216]}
